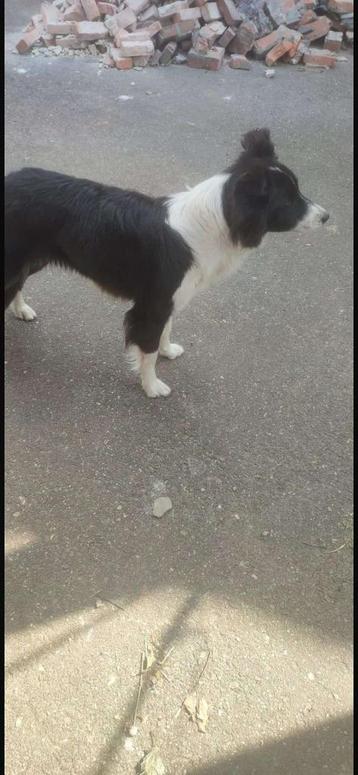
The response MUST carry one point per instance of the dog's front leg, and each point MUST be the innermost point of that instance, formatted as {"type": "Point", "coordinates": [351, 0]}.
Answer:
{"type": "Point", "coordinates": [167, 348]}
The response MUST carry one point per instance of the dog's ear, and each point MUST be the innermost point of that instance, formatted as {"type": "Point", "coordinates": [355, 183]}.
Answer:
{"type": "Point", "coordinates": [247, 206]}
{"type": "Point", "coordinates": [258, 143]}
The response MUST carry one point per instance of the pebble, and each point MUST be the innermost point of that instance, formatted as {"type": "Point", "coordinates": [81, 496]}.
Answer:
{"type": "Point", "coordinates": [270, 73]}
{"type": "Point", "coordinates": [161, 506]}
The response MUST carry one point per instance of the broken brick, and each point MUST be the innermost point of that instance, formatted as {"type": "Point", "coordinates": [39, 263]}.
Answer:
{"type": "Point", "coordinates": [150, 14]}
{"type": "Point", "coordinates": [278, 51]}
{"type": "Point", "coordinates": [90, 8]}
{"type": "Point", "coordinates": [154, 60]}
{"type": "Point", "coordinates": [90, 30]}
{"type": "Point", "coordinates": [123, 20]}
{"type": "Point", "coordinates": [137, 6]}
{"type": "Point", "coordinates": [169, 10]}
{"type": "Point", "coordinates": [176, 31]}
{"type": "Point", "coordinates": [70, 41]}
{"type": "Point", "coordinates": [229, 12]}
{"type": "Point", "coordinates": [140, 61]}
{"type": "Point", "coordinates": [244, 39]}
{"type": "Point", "coordinates": [227, 37]}
{"type": "Point", "coordinates": [263, 45]}
{"type": "Point", "coordinates": [28, 39]}
{"type": "Point", "coordinates": [74, 13]}
{"type": "Point", "coordinates": [210, 61]}
{"type": "Point", "coordinates": [239, 62]}
{"type": "Point", "coordinates": [210, 12]}
{"type": "Point", "coordinates": [106, 9]}
{"type": "Point", "coordinates": [320, 58]}
{"type": "Point", "coordinates": [333, 41]}
{"type": "Point", "coordinates": [168, 52]}
{"type": "Point", "coordinates": [50, 14]}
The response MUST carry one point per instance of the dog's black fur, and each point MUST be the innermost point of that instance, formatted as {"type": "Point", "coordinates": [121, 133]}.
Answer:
{"type": "Point", "coordinates": [121, 240]}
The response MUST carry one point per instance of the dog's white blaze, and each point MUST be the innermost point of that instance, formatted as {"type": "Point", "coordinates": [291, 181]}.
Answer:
{"type": "Point", "coordinates": [198, 216]}
{"type": "Point", "coordinates": [21, 310]}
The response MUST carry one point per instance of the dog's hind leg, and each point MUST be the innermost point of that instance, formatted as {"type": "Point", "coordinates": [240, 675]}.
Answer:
{"type": "Point", "coordinates": [167, 348]}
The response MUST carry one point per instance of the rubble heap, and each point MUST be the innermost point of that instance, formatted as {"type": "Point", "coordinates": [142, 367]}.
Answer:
{"type": "Point", "coordinates": [136, 33]}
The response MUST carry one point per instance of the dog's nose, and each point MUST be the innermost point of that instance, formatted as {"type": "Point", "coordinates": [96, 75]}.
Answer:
{"type": "Point", "coordinates": [325, 217]}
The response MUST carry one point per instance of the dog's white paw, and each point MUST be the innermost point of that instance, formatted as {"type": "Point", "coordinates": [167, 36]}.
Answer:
{"type": "Point", "coordinates": [172, 351]}
{"type": "Point", "coordinates": [156, 388]}
{"type": "Point", "coordinates": [24, 312]}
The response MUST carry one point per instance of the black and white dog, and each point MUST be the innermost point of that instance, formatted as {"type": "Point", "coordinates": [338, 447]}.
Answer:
{"type": "Point", "coordinates": [156, 252]}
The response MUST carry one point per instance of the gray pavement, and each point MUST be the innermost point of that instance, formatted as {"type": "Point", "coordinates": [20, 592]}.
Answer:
{"type": "Point", "coordinates": [253, 565]}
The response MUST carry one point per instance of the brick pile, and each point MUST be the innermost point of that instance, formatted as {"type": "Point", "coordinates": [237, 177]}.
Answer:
{"type": "Point", "coordinates": [136, 33]}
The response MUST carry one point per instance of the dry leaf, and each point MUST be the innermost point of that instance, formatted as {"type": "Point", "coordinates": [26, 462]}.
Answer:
{"type": "Point", "coordinates": [149, 655]}
{"type": "Point", "coordinates": [202, 715]}
{"type": "Point", "coordinates": [190, 705]}
{"type": "Point", "coordinates": [152, 764]}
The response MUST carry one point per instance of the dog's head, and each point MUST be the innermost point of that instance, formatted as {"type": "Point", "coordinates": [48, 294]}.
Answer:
{"type": "Point", "coordinates": [262, 195]}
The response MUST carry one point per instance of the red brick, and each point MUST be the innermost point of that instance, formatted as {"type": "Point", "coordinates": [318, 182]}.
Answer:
{"type": "Point", "coordinates": [70, 41]}
{"type": "Point", "coordinates": [90, 8]}
{"type": "Point", "coordinates": [263, 45]}
{"type": "Point", "coordinates": [333, 41]}
{"type": "Point", "coordinates": [244, 38]}
{"type": "Point", "coordinates": [187, 13]}
{"type": "Point", "coordinates": [132, 48]}
{"type": "Point", "coordinates": [137, 6]}
{"type": "Point", "coordinates": [294, 56]}
{"type": "Point", "coordinates": [124, 35]}
{"type": "Point", "coordinates": [239, 62]}
{"type": "Point", "coordinates": [28, 39]}
{"type": "Point", "coordinates": [199, 3]}
{"type": "Point", "coordinates": [140, 61]}
{"type": "Point", "coordinates": [229, 12]}
{"type": "Point", "coordinates": [61, 28]}
{"type": "Point", "coordinates": [176, 31]}
{"type": "Point", "coordinates": [227, 37]}
{"type": "Point", "coordinates": [210, 12]}
{"type": "Point", "coordinates": [153, 28]}
{"type": "Point", "coordinates": [90, 30]}
{"type": "Point", "coordinates": [150, 14]}
{"type": "Point", "coordinates": [308, 16]}
{"type": "Point", "coordinates": [124, 19]}
{"type": "Point", "coordinates": [278, 51]}
{"type": "Point", "coordinates": [316, 56]}
{"type": "Point", "coordinates": [74, 13]}
{"type": "Point", "coordinates": [107, 9]}
{"type": "Point", "coordinates": [169, 10]}
{"type": "Point", "coordinates": [120, 62]}
{"type": "Point", "coordinates": [318, 29]}
{"type": "Point", "coordinates": [210, 61]}
{"type": "Point", "coordinates": [341, 6]}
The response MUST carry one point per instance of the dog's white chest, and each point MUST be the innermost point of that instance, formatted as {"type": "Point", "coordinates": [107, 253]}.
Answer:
{"type": "Point", "coordinates": [197, 215]}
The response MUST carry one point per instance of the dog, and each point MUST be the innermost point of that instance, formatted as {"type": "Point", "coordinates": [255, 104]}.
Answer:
{"type": "Point", "coordinates": [156, 252]}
